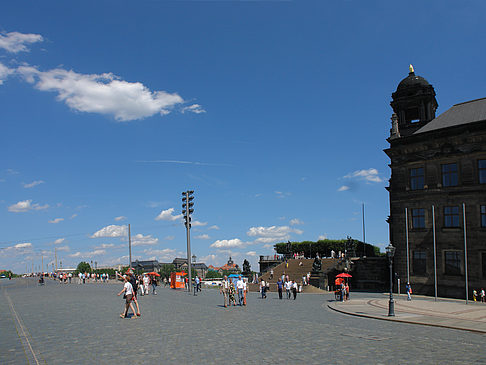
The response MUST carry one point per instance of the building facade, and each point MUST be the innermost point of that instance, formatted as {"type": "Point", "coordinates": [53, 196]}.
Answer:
{"type": "Point", "coordinates": [437, 191]}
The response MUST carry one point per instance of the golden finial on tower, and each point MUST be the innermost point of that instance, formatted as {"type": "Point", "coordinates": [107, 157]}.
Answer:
{"type": "Point", "coordinates": [410, 68]}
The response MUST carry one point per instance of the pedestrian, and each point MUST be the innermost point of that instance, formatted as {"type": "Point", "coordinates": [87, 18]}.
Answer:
{"type": "Point", "coordinates": [263, 288]}
{"type": "Point", "coordinates": [483, 295]}
{"type": "Point", "coordinates": [133, 281]}
{"type": "Point", "coordinates": [245, 290]}
{"type": "Point", "coordinates": [288, 286]}
{"type": "Point", "coordinates": [128, 290]}
{"type": "Point", "coordinates": [232, 294]}
{"type": "Point", "coordinates": [475, 295]}
{"type": "Point", "coordinates": [196, 284]}
{"type": "Point", "coordinates": [343, 292]}
{"type": "Point", "coordinates": [279, 288]}
{"type": "Point", "coordinates": [294, 289]}
{"type": "Point", "coordinates": [146, 282]}
{"type": "Point", "coordinates": [347, 290]}
{"type": "Point", "coordinates": [240, 286]}
{"type": "Point", "coordinates": [408, 289]}
{"type": "Point", "coordinates": [154, 285]}
{"type": "Point", "coordinates": [224, 289]}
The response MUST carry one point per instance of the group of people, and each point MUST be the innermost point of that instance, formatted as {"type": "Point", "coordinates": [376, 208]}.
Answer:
{"type": "Point", "coordinates": [479, 296]}
{"type": "Point", "coordinates": [85, 277]}
{"type": "Point", "coordinates": [132, 284]}
{"type": "Point", "coordinates": [291, 287]}
{"type": "Point", "coordinates": [230, 289]}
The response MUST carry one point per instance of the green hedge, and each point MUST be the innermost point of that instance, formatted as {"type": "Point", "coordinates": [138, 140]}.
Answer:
{"type": "Point", "coordinates": [324, 247]}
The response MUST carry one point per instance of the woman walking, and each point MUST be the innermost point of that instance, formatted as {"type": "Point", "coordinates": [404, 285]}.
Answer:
{"type": "Point", "coordinates": [128, 290]}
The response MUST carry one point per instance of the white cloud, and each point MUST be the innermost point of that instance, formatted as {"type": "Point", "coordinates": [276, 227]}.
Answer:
{"type": "Point", "coordinates": [251, 253]}
{"type": "Point", "coordinates": [268, 245]}
{"type": "Point", "coordinates": [88, 254]}
{"type": "Point", "coordinates": [120, 218]}
{"type": "Point", "coordinates": [59, 240]}
{"type": "Point", "coordinates": [322, 237]}
{"type": "Point", "coordinates": [194, 108]}
{"type": "Point", "coordinates": [165, 254]}
{"type": "Point", "coordinates": [295, 222]}
{"type": "Point", "coordinates": [63, 248]}
{"type": "Point", "coordinates": [281, 194]}
{"type": "Point", "coordinates": [272, 234]}
{"type": "Point", "coordinates": [198, 224]}
{"type": "Point", "coordinates": [105, 245]}
{"type": "Point", "coordinates": [56, 220]}
{"type": "Point", "coordinates": [15, 42]}
{"type": "Point", "coordinates": [215, 227]}
{"type": "Point", "coordinates": [25, 206]}
{"type": "Point", "coordinates": [33, 183]}
{"type": "Point", "coordinates": [23, 245]}
{"type": "Point", "coordinates": [4, 72]}
{"type": "Point", "coordinates": [102, 93]}
{"type": "Point", "coordinates": [111, 231]}
{"type": "Point", "coordinates": [203, 237]}
{"type": "Point", "coordinates": [141, 240]}
{"type": "Point", "coordinates": [344, 188]}
{"type": "Point", "coordinates": [370, 175]}
{"type": "Point", "coordinates": [77, 254]}
{"type": "Point", "coordinates": [235, 242]}
{"type": "Point", "coordinates": [169, 238]}
{"type": "Point", "coordinates": [74, 216]}
{"type": "Point", "coordinates": [166, 215]}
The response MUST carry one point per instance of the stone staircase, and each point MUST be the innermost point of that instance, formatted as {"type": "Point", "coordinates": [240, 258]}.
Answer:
{"type": "Point", "coordinates": [295, 271]}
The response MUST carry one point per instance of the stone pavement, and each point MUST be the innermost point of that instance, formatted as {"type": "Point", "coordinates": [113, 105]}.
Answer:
{"type": "Point", "coordinates": [448, 313]}
{"type": "Point", "coordinates": [79, 324]}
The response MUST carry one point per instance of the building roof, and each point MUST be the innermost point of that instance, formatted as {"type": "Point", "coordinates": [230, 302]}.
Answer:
{"type": "Point", "coordinates": [463, 113]}
{"type": "Point", "coordinates": [412, 80]}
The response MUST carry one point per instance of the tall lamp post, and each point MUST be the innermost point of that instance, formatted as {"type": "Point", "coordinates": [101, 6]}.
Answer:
{"type": "Point", "coordinates": [186, 212]}
{"type": "Point", "coordinates": [390, 252]}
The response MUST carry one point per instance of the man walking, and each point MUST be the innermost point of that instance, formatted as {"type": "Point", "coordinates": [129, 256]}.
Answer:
{"type": "Point", "coordinates": [240, 285]}
{"type": "Point", "coordinates": [408, 288]}
{"type": "Point", "coordinates": [224, 289]}
{"type": "Point", "coordinates": [280, 288]}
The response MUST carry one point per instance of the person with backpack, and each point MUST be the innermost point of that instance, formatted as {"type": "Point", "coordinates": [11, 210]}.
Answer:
{"type": "Point", "coordinates": [133, 280]}
{"type": "Point", "coordinates": [408, 289]}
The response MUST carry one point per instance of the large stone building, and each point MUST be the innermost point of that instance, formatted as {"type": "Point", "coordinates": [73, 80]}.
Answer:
{"type": "Point", "coordinates": [438, 166]}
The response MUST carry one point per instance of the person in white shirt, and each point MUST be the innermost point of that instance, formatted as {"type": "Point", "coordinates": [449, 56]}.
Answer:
{"type": "Point", "coordinates": [295, 287]}
{"type": "Point", "coordinates": [80, 278]}
{"type": "Point", "coordinates": [146, 282]}
{"type": "Point", "coordinates": [288, 285]}
{"type": "Point", "coordinates": [263, 288]}
{"type": "Point", "coordinates": [128, 290]}
{"type": "Point", "coordinates": [240, 285]}
{"type": "Point", "coordinates": [245, 290]}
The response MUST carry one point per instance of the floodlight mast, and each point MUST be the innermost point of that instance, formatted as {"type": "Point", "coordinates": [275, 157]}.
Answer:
{"type": "Point", "coordinates": [187, 211]}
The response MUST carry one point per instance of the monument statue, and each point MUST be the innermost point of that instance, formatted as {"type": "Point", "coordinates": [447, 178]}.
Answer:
{"type": "Point", "coordinates": [316, 265]}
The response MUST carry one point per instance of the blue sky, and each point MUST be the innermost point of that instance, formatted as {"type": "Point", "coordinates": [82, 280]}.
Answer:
{"type": "Point", "coordinates": [275, 113]}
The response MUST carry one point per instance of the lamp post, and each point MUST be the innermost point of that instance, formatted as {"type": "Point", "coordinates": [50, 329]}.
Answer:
{"type": "Point", "coordinates": [390, 252]}
{"type": "Point", "coordinates": [186, 212]}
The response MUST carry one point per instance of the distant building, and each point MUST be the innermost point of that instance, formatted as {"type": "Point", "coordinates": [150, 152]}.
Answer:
{"type": "Point", "coordinates": [180, 264]}
{"type": "Point", "coordinates": [147, 266]}
{"type": "Point", "coordinates": [437, 165]}
{"type": "Point", "coordinates": [229, 266]}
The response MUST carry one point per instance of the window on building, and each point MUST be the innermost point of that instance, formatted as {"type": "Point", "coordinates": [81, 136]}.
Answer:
{"type": "Point", "coordinates": [449, 174]}
{"type": "Point", "coordinates": [483, 215]}
{"type": "Point", "coordinates": [418, 218]}
{"type": "Point", "coordinates": [451, 216]}
{"type": "Point", "coordinates": [482, 171]}
{"type": "Point", "coordinates": [419, 262]}
{"type": "Point", "coordinates": [417, 178]}
{"type": "Point", "coordinates": [452, 261]}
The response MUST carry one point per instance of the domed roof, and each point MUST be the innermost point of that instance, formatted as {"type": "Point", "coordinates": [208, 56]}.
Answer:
{"type": "Point", "coordinates": [412, 80]}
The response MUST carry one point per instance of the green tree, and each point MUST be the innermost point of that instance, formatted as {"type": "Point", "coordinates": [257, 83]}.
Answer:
{"type": "Point", "coordinates": [212, 274]}
{"type": "Point", "coordinates": [166, 270]}
{"type": "Point", "coordinates": [83, 267]}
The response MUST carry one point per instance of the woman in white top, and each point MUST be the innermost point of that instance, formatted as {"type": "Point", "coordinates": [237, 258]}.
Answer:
{"type": "Point", "coordinates": [128, 290]}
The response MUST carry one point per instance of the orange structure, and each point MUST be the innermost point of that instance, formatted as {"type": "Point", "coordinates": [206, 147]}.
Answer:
{"type": "Point", "coordinates": [177, 280]}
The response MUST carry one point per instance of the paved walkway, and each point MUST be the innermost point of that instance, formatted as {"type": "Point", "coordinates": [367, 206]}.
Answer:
{"type": "Point", "coordinates": [422, 310]}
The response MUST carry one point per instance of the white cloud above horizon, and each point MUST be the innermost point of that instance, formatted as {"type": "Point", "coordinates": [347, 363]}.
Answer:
{"type": "Point", "coordinates": [15, 42]}
{"type": "Point", "coordinates": [25, 206]}
{"type": "Point", "coordinates": [232, 243]}
{"type": "Point", "coordinates": [120, 218]}
{"type": "Point", "coordinates": [295, 222]}
{"type": "Point", "coordinates": [56, 220]}
{"type": "Point", "coordinates": [203, 237]}
{"type": "Point", "coordinates": [272, 234]}
{"type": "Point", "coordinates": [141, 240]}
{"type": "Point", "coordinates": [33, 183]}
{"type": "Point", "coordinates": [344, 188]}
{"type": "Point", "coordinates": [166, 215]}
{"type": "Point", "coordinates": [111, 231]}
{"type": "Point", "coordinates": [369, 175]}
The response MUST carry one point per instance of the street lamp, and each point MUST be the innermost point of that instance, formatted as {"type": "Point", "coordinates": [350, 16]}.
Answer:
{"type": "Point", "coordinates": [390, 252]}
{"type": "Point", "coordinates": [186, 212]}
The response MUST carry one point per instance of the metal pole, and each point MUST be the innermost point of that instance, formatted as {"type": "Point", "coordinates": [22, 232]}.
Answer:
{"type": "Point", "coordinates": [408, 250]}
{"type": "Point", "coordinates": [391, 303]}
{"type": "Point", "coordinates": [188, 234]}
{"type": "Point", "coordinates": [435, 254]}
{"type": "Point", "coordinates": [364, 236]}
{"type": "Point", "coordinates": [465, 251]}
{"type": "Point", "coordinates": [129, 248]}
{"type": "Point", "coordinates": [55, 255]}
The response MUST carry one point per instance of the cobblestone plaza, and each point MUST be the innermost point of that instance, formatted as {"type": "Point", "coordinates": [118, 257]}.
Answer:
{"type": "Point", "coordinates": [80, 324]}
